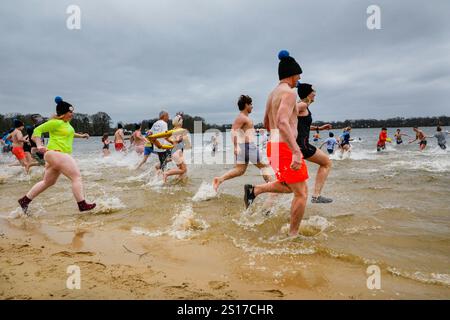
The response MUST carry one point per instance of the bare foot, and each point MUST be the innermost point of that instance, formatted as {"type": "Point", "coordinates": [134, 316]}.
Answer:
{"type": "Point", "coordinates": [165, 177]}
{"type": "Point", "coordinates": [216, 183]}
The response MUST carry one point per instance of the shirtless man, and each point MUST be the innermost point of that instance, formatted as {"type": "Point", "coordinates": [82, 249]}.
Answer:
{"type": "Point", "coordinates": [17, 144]}
{"type": "Point", "coordinates": [138, 139]}
{"type": "Point", "coordinates": [245, 149]}
{"type": "Point", "coordinates": [119, 138]}
{"type": "Point", "coordinates": [282, 150]}
{"type": "Point", "coordinates": [421, 137]}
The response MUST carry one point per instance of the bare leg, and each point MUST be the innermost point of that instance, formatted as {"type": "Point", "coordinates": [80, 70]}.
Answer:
{"type": "Point", "coordinates": [237, 171]}
{"type": "Point", "coordinates": [142, 162]}
{"type": "Point", "coordinates": [69, 168]}
{"type": "Point", "coordinates": [265, 171]}
{"type": "Point", "coordinates": [325, 166]}
{"type": "Point", "coordinates": [180, 170]}
{"type": "Point", "coordinates": [51, 175]}
{"type": "Point", "coordinates": [298, 206]}
{"type": "Point", "coordinates": [274, 187]}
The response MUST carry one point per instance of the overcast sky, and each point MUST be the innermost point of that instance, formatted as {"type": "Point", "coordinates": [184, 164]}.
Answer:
{"type": "Point", "coordinates": [133, 58]}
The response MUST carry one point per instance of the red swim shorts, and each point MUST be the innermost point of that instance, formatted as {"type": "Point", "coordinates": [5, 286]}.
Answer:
{"type": "Point", "coordinates": [280, 161]}
{"type": "Point", "coordinates": [119, 146]}
{"type": "Point", "coordinates": [18, 152]}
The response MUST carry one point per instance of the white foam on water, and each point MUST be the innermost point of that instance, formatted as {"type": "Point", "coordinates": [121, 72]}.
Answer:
{"type": "Point", "coordinates": [107, 204]}
{"type": "Point", "coordinates": [311, 227]}
{"type": "Point", "coordinates": [155, 182]}
{"type": "Point", "coordinates": [205, 192]}
{"type": "Point", "coordinates": [430, 164]}
{"type": "Point", "coordinates": [185, 225]}
{"type": "Point", "coordinates": [429, 278]}
{"type": "Point", "coordinates": [145, 232]}
{"type": "Point", "coordinates": [256, 250]}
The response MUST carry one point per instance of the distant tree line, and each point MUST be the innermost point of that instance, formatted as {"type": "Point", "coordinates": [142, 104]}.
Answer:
{"type": "Point", "coordinates": [99, 123]}
{"type": "Point", "coordinates": [390, 123]}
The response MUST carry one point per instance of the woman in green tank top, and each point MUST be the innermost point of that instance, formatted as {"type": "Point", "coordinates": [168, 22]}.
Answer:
{"type": "Point", "coordinates": [57, 156]}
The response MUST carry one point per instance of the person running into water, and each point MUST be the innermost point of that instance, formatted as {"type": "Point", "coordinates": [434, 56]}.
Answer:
{"type": "Point", "coordinates": [214, 144]}
{"type": "Point", "coordinates": [138, 139]}
{"type": "Point", "coordinates": [344, 144]}
{"type": "Point", "coordinates": [30, 149]}
{"type": "Point", "coordinates": [18, 141]}
{"type": "Point", "coordinates": [180, 142]}
{"type": "Point", "coordinates": [381, 144]}
{"type": "Point", "coordinates": [119, 138]}
{"type": "Point", "coordinates": [311, 153]}
{"type": "Point", "coordinates": [440, 136]}
{"type": "Point", "coordinates": [245, 149]}
{"type": "Point", "coordinates": [58, 156]}
{"type": "Point", "coordinates": [421, 137]}
{"type": "Point", "coordinates": [316, 136]}
{"type": "Point", "coordinates": [398, 136]}
{"type": "Point", "coordinates": [283, 151]}
{"type": "Point", "coordinates": [331, 142]}
{"type": "Point", "coordinates": [158, 127]}
{"type": "Point", "coordinates": [106, 142]}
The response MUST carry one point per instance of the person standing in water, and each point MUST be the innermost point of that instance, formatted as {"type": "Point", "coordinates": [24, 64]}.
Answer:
{"type": "Point", "coordinates": [180, 142]}
{"type": "Point", "coordinates": [283, 151]}
{"type": "Point", "coordinates": [58, 156]}
{"type": "Point", "coordinates": [398, 137]}
{"type": "Point", "coordinates": [330, 142]}
{"type": "Point", "coordinates": [311, 153]}
{"type": "Point", "coordinates": [420, 135]}
{"type": "Point", "coordinates": [440, 136]}
{"type": "Point", "coordinates": [245, 149]}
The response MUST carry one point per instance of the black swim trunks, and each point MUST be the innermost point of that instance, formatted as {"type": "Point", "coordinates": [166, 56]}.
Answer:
{"type": "Point", "coordinates": [423, 142]}
{"type": "Point", "coordinates": [164, 157]}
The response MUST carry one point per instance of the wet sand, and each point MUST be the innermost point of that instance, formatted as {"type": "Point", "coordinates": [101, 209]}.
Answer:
{"type": "Point", "coordinates": [33, 265]}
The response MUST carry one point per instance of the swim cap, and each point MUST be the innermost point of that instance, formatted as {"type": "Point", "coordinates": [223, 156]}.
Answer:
{"type": "Point", "coordinates": [304, 89]}
{"type": "Point", "coordinates": [288, 66]}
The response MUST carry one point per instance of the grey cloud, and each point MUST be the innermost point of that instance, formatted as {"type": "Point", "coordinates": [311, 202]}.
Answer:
{"type": "Point", "coordinates": [132, 58]}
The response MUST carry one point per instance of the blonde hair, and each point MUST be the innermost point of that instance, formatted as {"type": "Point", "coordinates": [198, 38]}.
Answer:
{"type": "Point", "coordinates": [177, 121]}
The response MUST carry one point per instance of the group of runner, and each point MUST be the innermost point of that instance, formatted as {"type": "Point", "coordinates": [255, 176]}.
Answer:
{"type": "Point", "coordinates": [287, 120]}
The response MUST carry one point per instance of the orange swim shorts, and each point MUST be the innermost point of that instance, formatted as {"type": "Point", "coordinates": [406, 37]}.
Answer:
{"type": "Point", "coordinates": [280, 158]}
{"type": "Point", "coordinates": [18, 152]}
{"type": "Point", "coordinates": [119, 146]}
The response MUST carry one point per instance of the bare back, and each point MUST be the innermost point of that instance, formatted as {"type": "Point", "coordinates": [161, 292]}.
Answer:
{"type": "Point", "coordinates": [118, 136]}
{"type": "Point", "coordinates": [280, 95]}
{"type": "Point", "coordinates": [17, 138]}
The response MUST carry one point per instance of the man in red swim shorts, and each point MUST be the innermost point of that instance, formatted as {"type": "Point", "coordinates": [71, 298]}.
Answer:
{"type": "Point", "coordinates": [283, 151]}
{"type": "Point", "coordinates": [18, 141]}
{"type": "Point", "coordinates": [119, 138]}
